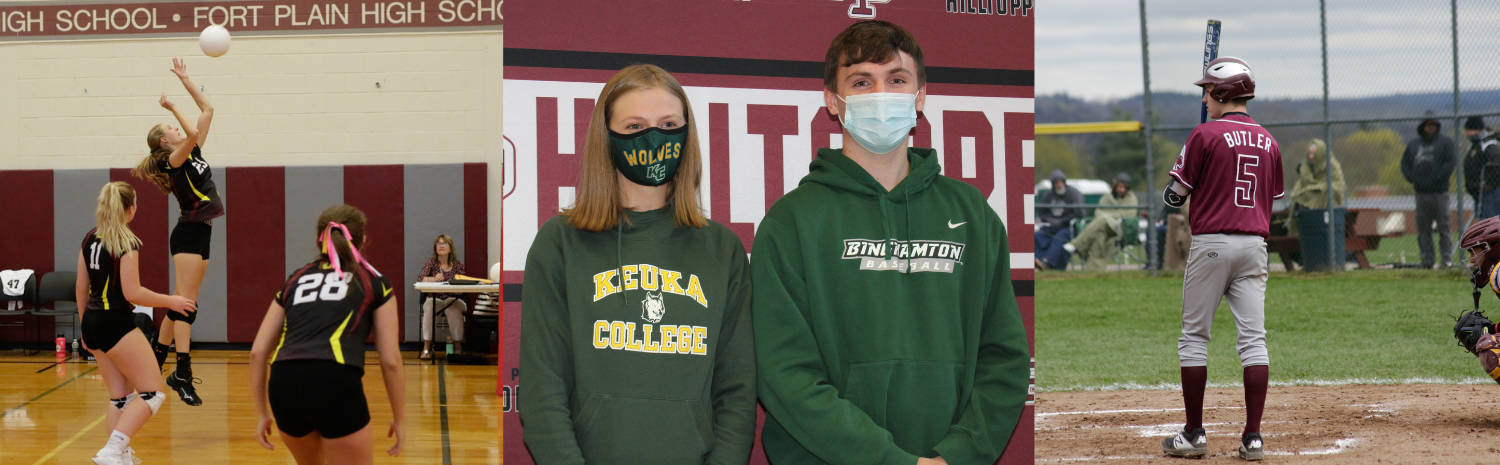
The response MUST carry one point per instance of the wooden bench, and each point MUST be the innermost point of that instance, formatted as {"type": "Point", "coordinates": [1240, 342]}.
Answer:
{"type": "Point", "coordinates": [1360, 234]}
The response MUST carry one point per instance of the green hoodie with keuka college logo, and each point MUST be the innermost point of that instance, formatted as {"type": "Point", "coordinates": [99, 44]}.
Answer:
{"type": "Point", "coordinates": [636, 345]}
{"type": "Point", "coordinates": [886, 328]}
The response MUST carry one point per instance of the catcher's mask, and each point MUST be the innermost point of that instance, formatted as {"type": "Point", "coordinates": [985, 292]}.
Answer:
{"type": "Point", "coordinates": [1480, 241]}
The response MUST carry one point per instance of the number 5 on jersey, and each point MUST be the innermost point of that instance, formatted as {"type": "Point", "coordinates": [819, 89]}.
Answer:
{"type": "Point", "coordinates": [1244, 183]}
{"type": "Point", "coordinates": [332, 288]}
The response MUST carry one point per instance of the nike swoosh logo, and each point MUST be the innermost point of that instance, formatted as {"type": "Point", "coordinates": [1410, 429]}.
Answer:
{"type": "Point", "coordinates": [387, 289]}
{"type": "Point", "coordinates": [952, 226]}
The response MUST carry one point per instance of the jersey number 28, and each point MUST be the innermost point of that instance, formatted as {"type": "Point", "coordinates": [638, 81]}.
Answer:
{"type": "Point", "coordinates": [1244, 182]}
{"type": "Point", "coordinates": [321, 287]}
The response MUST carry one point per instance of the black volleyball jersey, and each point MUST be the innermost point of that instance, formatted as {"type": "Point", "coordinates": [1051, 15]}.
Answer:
{"type": "Point", "coordinates": [328, 318]}
{"type": "Point", "coordinates": [193, 185]}
{"type": "Point", "coordinates": [105, 291]}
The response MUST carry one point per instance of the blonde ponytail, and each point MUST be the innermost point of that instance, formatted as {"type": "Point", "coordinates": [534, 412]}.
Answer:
{"type": "Point", "coordinates": [114, 201]}
{"type": "Point", "coordinates": [150, 167]}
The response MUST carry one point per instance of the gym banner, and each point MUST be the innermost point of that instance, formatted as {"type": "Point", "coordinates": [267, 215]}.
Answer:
{"type": "Point", "coordinates": [58, 20]}
{"type": "Point", "coordinates": [753, 72]}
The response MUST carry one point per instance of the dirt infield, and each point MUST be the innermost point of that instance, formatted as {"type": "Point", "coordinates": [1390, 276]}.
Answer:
{"type": "Point", "coordinates": [1422, 423]}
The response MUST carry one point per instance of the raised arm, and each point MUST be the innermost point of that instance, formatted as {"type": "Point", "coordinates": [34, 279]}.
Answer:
{"type": "Point", "coordinates": [180, 154]}
{"type": "Point", "coordinates": [387, 322]}
{"type": "Point", "coordinates": [197, 134]}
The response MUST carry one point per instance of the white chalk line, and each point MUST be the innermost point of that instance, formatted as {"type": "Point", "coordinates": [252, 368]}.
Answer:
{"type": "Point", "coordinates": [1133, 386]}
{"type": "Point", "coordinates": [1143, 410]}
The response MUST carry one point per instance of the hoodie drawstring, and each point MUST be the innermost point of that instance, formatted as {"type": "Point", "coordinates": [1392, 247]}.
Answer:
{"type": "Point", "coordinates": [885, 221]}
{"type": "Point", "coordinates": [620, 260]}
{"type": "Point", "coordinates": [907, 205]}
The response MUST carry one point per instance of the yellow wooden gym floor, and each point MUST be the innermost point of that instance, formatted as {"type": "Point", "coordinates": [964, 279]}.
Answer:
{"type": "Point", "coordinates": [54, 413]}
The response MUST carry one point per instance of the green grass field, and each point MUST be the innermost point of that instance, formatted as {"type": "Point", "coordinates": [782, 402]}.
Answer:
{"type": "Point", "coordinates": [1119, 330]}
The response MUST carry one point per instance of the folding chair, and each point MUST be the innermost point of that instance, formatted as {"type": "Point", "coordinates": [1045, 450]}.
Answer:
{"type": "Point", "coordinates": [57, 287]}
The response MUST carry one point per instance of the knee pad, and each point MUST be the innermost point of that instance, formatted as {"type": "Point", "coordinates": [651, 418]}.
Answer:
{"type": "Point", "coordinates": [122, 402]}
{"type": "Point", "coordinates": [189, 319]}
{"type": "Point", "coordinates": [154, 400]}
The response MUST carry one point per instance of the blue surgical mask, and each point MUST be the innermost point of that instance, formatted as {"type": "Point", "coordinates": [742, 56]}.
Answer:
{"type": "Point", "coordinates": [880, 122]}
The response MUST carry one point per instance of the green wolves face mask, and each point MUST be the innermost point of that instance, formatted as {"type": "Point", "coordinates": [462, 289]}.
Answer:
{"type": "Point", "coordinates": [649, 157]}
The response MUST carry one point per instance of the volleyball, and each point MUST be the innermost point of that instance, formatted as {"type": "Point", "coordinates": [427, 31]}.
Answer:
{"type": "Point", "coordinates": [214, 40]}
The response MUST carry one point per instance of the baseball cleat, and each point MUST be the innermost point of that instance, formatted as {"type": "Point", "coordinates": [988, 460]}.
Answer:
{"type": "Point", "coordinates": [1251, 447]}
{"type": "Point", "coordinates": [1192, 444]}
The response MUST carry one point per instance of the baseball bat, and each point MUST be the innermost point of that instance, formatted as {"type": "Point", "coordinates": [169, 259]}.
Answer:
{"type": "Point", "coordinates": [1210, 52]}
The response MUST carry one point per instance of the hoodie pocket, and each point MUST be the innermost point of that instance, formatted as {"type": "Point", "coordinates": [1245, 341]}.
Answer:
{"type": "Point", "coordinates": [916, 401]}
{"type": "Point", "coordinates": [617, 429]}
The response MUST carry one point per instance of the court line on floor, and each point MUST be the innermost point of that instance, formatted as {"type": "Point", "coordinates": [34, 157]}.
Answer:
{"type": "Point", "coordinates": [443, 403]}
{"type": "Point", "coordinates": [68, 442]}
{"type": "Point", "coordinates": [49, 391]}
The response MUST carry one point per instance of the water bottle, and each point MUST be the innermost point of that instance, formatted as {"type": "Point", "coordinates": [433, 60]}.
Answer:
{"type": "Point", "coordinates": [76, 347]}
{"type": "Point", "coordinates": [450, 347]}
{"type": "Point", "coordinates": [62, 347]}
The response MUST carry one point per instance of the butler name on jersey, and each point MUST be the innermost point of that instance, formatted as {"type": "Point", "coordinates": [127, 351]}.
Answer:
{"type": "Point", "coordinates": [1232, 167]}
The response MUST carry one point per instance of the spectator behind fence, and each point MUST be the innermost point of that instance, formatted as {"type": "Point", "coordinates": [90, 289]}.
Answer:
{"type": "Point", "coordinates": [1311, 190]}
{"type": "Point", "coordinates": [442, 266]}
{"type": "Point", "coordinates": [1098, 241]}
{"type": "Point", "coordinates": [1483, 150]}
{"type": "Point", "coordinates": [1427, 164]}
{"type": "Point", "coordinates": [1052, 231]}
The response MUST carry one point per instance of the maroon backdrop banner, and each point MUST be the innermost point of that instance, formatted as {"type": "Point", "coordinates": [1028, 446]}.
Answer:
{"type": "Point", "coordinates": [753, 73]}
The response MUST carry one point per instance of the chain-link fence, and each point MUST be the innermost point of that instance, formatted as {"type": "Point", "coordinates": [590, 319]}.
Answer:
{"type": "Point", "coordinates": [1359, 74]}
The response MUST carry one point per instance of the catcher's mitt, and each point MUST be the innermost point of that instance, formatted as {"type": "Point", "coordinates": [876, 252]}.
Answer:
{"type": "Point", "coordinates": [1470, 327]}
{"type": "Point", "coordinates": [1477, 334]}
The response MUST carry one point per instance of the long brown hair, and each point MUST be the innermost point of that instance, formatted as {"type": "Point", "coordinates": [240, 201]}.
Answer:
{"type": "Point", "coordinates": [150, 167]}
{"type": "Point", "coordinates": [452, 249]}
{"type": "Point", "coordinates": [115, 199]}
{"type": "Point", "coordinates": [353, 219]}
{"type": "Point", "coordinates": [598, 207]}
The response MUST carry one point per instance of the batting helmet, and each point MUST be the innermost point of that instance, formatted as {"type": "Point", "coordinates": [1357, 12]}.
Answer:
{"type": "Point", "coordinates": [1482, 240]}
{"type": "Point", "coordinates": [1228, 78]}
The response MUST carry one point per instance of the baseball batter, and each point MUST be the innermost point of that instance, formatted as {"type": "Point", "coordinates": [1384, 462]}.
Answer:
{"type": "Point", "coordinates": [1232, 169]}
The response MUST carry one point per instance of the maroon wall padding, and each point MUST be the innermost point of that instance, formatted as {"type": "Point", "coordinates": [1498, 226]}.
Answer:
{"type": "Point", "coordinates": [379, 191]}
{"type": "Point", "coordinates": [151, 226]}
{"type": "Point", "coordinates": [476, 217]}
{"type": "Point", "coordinates": [255, 251]}
{"type": "Point", "coordinates": [26, 237]}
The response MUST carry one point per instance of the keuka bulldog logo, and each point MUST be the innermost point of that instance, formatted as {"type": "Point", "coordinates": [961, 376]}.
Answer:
{"type": "Point", "coordinates": [653, 308]}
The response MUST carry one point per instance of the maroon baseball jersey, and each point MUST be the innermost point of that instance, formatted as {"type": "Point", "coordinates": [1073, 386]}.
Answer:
{"type": "Point", "coordinates": [1233, 167]}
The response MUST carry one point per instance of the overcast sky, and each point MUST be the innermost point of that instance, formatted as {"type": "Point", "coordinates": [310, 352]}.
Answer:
{"type": "Point", "coordinates": [1092, 48]}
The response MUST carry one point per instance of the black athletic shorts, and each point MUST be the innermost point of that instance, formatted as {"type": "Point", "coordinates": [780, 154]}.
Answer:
{"type": "Point", "coordinates": [102, 329]}
{"type": "Point", "coordinates": [191, 237]}
{"type": "Point", "coordinates": [317, 395]}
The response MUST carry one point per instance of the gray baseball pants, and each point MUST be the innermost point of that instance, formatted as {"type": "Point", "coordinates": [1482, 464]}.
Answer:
{"type": "Point", "coordinates": [1232, 267]}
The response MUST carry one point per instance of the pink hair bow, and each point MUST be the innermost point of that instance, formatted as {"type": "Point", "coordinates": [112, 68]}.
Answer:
{"type": "Point", "coordinates": [333, 256]}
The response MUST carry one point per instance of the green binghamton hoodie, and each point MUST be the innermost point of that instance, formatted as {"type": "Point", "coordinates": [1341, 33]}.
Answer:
{"type": "Point", "coordinates": [886, 328]}
{"type": "Point", "coordinates": [636, 344]}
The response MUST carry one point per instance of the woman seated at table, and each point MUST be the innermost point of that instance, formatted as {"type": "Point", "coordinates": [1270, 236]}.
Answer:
{"type": "Point", "coordinates": [441, 267]}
